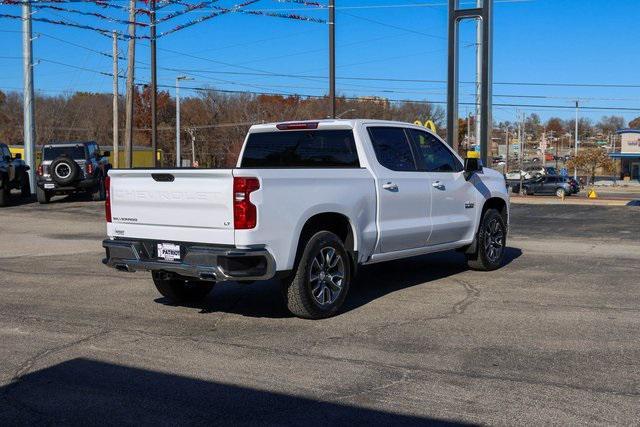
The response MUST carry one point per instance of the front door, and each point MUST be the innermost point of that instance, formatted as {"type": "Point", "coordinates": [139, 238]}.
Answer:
{"type": "Point", "coordinates": [453, 198]}
{"type": "Point", "coordinates": [404, 193]}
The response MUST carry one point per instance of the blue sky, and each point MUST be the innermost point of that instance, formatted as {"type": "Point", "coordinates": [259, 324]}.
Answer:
{"type": "Point", "coordinates": [538, 41]}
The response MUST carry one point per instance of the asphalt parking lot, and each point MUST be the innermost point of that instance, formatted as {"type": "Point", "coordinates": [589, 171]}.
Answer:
{"type": "Point", "coordinates": [553, 337]}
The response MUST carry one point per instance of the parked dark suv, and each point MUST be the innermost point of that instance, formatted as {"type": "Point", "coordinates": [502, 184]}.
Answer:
{"type": "Point", "coordinates": [13, 174]}
{"type": "Point", "coordinates": [72, 167]}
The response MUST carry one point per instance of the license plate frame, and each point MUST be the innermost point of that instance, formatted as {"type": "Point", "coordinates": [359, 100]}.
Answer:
{"type": "Point", "coordinates": [169, 252]}
{"type": "Point", "coordinates": [49, 186]}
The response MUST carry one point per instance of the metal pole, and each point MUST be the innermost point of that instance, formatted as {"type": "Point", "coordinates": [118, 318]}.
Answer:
{"type": "Point", "coordinates": [521, 154]}
{"type": "Point", "coordinates": [575, 169]}
{"type": "Point", "coordinates": [154, 85]}
{"type": "Point", "coordinates": [332, 57]}
{"type": "Point", "coordinates": [178, 159]}
{"type": "Point", "coordinates": [486, 76]}
{"type": "Point", "coordinates": [116, 142]}
{"type": "Point", "coordinates": [128, 131]}
{"type": "Point", "coordinates": [193, 147]}
{"type": "Point", "coordinates": [506, 140]}
{"type": "Point", "coordinates": [452, 77]}
{"type": "Point", "coordinates": [478, 73]}
{"type": "Point", "coordinates": [29, 123]}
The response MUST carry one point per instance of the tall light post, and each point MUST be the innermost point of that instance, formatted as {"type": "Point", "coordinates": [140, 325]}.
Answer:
{"type": "Point", "coordinates": [332, 58]}
{"type": "Point", "coordinates": [575, 169]}
{"type": "Point", "coordinates": [28, 106]}
{"type": "Point", "coordinates": [178, 155]}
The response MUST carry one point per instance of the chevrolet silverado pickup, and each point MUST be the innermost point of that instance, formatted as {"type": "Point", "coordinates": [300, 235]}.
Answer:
{"type": "Point", "coordinates": [308, 203]}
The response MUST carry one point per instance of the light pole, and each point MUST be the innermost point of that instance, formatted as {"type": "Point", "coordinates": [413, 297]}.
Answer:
{"type": "Point", "coordinates": [178, 156]}
{"type": "Point", "coordinates": [332, 58]}
{"type": "Point", "coordinates": [575, 169]}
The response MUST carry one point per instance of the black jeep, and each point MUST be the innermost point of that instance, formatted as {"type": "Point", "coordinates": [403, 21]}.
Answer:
{"type": "Point", "coordinates": [13, 174]}
{"type": "Point", "coordinates": [72, 167]}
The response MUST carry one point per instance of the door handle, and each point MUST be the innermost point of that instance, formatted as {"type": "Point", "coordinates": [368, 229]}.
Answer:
{"type": "Point", "coordinates": [438, 185]}
{"type": "Point", "coordinates": [390, 186]}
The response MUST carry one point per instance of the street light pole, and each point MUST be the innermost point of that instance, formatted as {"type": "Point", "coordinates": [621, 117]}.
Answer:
{"type": "Point", "coordinates": [332, 58]}
{"type": "Point", "coordinates": [154, 85]}
{"type": "Point", "coordinates": [28, 111]}
{"type": "Point", "coordinates": [575, 169]}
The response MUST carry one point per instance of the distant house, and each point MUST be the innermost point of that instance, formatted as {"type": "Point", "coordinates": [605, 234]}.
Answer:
{"type": "Point", "coordinates": [629, 154]}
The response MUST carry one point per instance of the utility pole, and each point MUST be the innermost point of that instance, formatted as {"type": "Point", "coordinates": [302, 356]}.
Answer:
{"type": "Point", "coordinates": [332, 57]}
{"type": "Point", "coordinates": [521, 154]}
{"type": "Point", "coordinates": [154, 85]}
{"type": "Point", "coordinates": [575, 170]}
{"type": "Point", "coordinates": [479, 42]}
{"type": "Point", "coordinates": [192, 133]}
{"type": "Point", "coordinates": [178, 148]}
{"type": "Point", "coordinates": [29, 123]}
{"type": "Point", "coordinates": [506, 141]}
{"type": "Point", "coordinates": [131, 57]}
{"type": "Point", "coordinates": [116, 126]}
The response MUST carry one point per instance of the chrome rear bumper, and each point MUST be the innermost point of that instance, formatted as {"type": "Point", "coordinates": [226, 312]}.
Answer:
{"type": "Point", "coordinates": [204, 262]}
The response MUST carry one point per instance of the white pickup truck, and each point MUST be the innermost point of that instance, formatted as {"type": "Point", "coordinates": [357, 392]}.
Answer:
{"type": "Point", "coordinates": [308, 203]}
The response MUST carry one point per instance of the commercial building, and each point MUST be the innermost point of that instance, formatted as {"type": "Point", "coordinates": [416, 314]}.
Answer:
{"type": "Point", "coordinates": [629, 154]}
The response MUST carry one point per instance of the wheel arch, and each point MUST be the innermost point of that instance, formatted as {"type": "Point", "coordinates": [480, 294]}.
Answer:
{"type": "Point", "coordinates": [335, 222]}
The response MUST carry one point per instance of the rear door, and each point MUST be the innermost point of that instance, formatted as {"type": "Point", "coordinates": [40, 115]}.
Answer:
{"type": "Point", "coordinates": [453, 198]}
{"type": "Point", "coordinates": [404, 193]}
{"type": "Point", "coordinates": [192, 205]}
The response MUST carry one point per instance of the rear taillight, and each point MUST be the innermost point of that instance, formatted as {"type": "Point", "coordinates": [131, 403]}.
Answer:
{"type": "Point", "coordinates": [89, 168]}
{"type": "Point", "coordinates": [107, 200]}
{"type": "Point", "coordinates": [40, 171]}
{"type": "Point", "coordinates": [245, 213]}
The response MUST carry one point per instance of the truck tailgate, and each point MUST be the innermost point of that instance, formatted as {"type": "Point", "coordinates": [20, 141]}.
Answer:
{"type": "Point", "coordinates": [194, 205]}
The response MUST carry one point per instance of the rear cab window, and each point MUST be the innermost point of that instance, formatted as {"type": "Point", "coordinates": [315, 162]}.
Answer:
{"type": "Point", "coordinates": [392, 148]}
{"type": "Point", "coordinates": [330, 148]}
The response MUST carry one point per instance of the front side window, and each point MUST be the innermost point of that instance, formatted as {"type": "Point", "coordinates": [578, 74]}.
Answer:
{"type": "Point", "coordinates": [308, 148]}
{"type": "Point", "coordinates": [4, 151]}
{"type": "Point", "coordinates": [92, 150]}
{"type": "Point", "coordinates": [432, 153]}
{"type": "Point", "coordinates": [392, 148]}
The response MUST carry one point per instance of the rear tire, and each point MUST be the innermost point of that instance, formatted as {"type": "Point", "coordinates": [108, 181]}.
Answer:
{"type": "Point", "coordinates": [179, 290]}
{"type": "Point", "coordinates": [43, 196]}
{"type": "Point", "coordinates": [491, 243]}
{"type": "Point", "coordinates": [4, 196]}
{"type": "Point", "coordinates": [100, 192]}
{"type": "Point", "coordinates": [560, 192]}
{"type": "Point", "coordinates": [25, 185]}
{"type": "Point", "coordinates": [321, 280]}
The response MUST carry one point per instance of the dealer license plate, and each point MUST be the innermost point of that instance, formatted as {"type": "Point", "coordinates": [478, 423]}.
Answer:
{"type": "Point", "coordinates": [48, 186]}
{"type": "Point", "coordinates": [168, 251]}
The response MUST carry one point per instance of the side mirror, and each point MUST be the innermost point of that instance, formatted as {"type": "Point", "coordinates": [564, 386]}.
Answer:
{"type": "Point", "coordinates": [18, 156]}
{"type": "Point", "coordinates": [472, 164]}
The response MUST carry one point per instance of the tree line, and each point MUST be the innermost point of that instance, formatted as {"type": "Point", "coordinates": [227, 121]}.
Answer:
{"type": "Point", "coordinates": [219, 120]}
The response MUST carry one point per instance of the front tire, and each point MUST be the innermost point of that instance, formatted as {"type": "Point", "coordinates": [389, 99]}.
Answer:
{"type": "Point", "coordinates": [561, 193]}
{"type": "Point", "coordinates": [43, 196]}
{"type": "Point", "coordinates": [491, 243]}
{"type": "Point", "coordinates": [322, 278]}
{"type": "Point", "coordinates": [180, 290]}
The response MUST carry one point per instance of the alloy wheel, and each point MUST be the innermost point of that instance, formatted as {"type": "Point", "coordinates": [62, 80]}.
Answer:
{"type": "Point", "coordinates": [326, 276]}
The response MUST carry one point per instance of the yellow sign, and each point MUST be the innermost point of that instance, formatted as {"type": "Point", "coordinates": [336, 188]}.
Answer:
{"type": "Point", "coordinates": [473, 155]}
{"type": "Point", "coordinates": [592, 194]}
{"type": "Point", "coordinates": [428, 124]}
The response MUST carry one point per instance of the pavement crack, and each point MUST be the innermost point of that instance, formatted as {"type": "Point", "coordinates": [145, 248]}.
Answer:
{"type": "Point", "coordinates": [472, 295]}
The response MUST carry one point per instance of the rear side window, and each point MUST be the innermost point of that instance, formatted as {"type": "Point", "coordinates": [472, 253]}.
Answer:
{"type": "Point", "coordinates": [4, 151]}
{"type": "Point", "coordinates": [74, 152]}
{"type": "Point", "coordinates": [308, 149]}
{"type": "Point", "coordinates": [392, 148]}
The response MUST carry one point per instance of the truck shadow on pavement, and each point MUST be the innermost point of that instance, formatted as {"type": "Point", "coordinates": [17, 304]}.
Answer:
{"type": "Point", "coordinates": [87, 392]}
{"type": "Point", "coordinates": [264, 299]}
